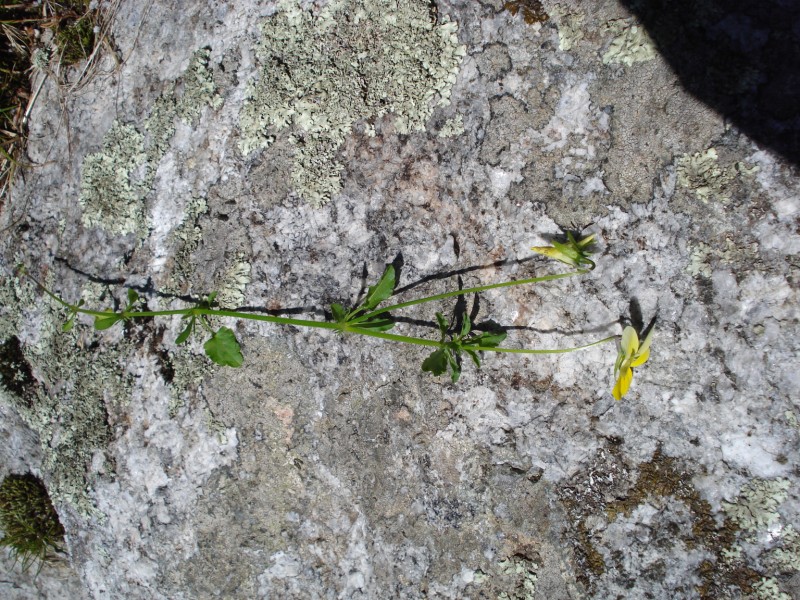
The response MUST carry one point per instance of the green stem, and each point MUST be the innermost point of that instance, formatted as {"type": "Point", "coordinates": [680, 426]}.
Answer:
{"type": "Point", "coordinates": [558, 351]}
{"type": "Point", "coordinates": [432, 343]}
{"type": "Point", "coordinates": [343, 327]}
{"type": "Point", "coordinates": [464, 292]}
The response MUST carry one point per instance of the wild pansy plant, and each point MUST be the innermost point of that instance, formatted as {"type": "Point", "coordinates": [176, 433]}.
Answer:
{"type": "Point", "coordinates": [371, 317]}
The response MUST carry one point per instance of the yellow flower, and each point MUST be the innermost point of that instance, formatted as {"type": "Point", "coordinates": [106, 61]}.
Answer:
{"type": "Point", "coordinates": [574, 253]}
{"type": "Point", "coordinates": [631, 354]}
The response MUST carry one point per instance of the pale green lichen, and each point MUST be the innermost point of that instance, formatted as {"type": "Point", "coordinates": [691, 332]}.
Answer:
{"type": "Point", "coordinates": [767, 589]}
{"type": "Point", "coordinates": [67, 407]}
{"type": "Point", "coordinates": [187, 238]}
{"type": "Point", "coordinates": [233, 282]}
{"type": "Point", "coordinates": [199, 89]}
{"type": "Point", "coordinates": [570, 30]}
{"type": "Point", "coordinates": [630, 45]}
{"type": "Point", "coordinates": [756, 508]}
{"type": "Point", "coordinates": [188, 372]}
{"type": "Point", "coordinates": [787, 555]}
{"type": "Point", "coordinates": [727, 252]}
{"type": "Point", "coordinates": [160, 125]}
{"type": "Point", "coordinates": [324, 70]}
{"type": "Point", "coordinates": [701, 173]}
{"type": "Point", "coordinates": [525, 573]}
{"type": "Point", "coordinates": [116, 181]}
{"type": "Point", "coordinates": [452, 127]}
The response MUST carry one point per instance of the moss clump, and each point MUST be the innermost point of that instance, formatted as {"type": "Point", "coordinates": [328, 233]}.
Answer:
{"type": "Point", "coordinates": [15, 372]}
{"type": "Point", "coordinates": [31, 529]}
{"type": "Point", "coordinates": [532, 10]}
{"type": "Point", "coordinates": [75, 40]}
{"type": "Point", "coordinates": [322, 71]}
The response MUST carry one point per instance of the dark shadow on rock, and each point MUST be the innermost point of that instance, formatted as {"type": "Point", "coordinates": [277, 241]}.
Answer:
{"type": "Point", "coordinates": [740, 57]}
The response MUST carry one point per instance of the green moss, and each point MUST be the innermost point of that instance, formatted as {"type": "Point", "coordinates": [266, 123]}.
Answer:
{"type": "Point", "coordinates": [75, 40]}
{"type": "Point", "coordinates": [30, 524]}
{"type": "Point", "coordinates": [351, 60]}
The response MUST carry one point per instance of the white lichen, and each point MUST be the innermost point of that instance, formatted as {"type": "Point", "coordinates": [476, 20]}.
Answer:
{"type": "Point", "coordinates": [701, 173]}
{"type": "Point", "coordinates": [630, 45]}
{"type": "Point", "coordinates": [321, 71]}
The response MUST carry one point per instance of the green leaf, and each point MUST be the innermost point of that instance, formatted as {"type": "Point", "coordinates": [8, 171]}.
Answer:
{"type": "Point", "coordinates": [490, 339]}
{"type": "Point", "coordinates": [339, 313]}
{"type": "Point", "coordinates": [380, 291]}
{"type": "Point", "coordinates": [223, 348]}
{"type": "Point", "coordinates": [442, 324]}
{"type": "Point", "coordinates": [474, 356]}
{"type": "Point", "coordinates": [455, 368]}
{"type": "Point", "coordinates": [208, 301]}
{"type": "Point", "coordinates": [466, 326]}
{"type": "Point", "coordinates": [376, 324]}
{"type": "Point", "coordinates": [69, 324]}
{"type": "Point", "coordinates": [187, 331]}
{"type": "Point", "coordinates": [133, 297]}
{"type": "Point", "coordinates": [106, 321]}
{"type": "Point", "coordinates": [436, 363]}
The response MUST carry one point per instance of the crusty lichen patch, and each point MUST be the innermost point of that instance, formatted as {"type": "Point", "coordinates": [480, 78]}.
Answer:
{"type": "Point", "coordinates": [706, 178]}
{"type": "Point", "coordinates": [66, 406]}
{"type": "Point", "coordinates": [324, 70]}
{"type": "Point", "coordinates": [115, 182]}
{"type": "Point", "coordinates": [757, 505]}
{"type": "Point", "coordinates": [233, 282]}
{"type": "Point", "coordinates": [630, 45]}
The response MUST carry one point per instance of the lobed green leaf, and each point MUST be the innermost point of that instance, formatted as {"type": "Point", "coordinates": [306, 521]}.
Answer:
{"type": "Point", "coordinates": [223, 348]}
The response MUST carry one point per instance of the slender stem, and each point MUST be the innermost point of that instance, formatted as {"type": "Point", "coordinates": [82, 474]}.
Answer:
{"type": "Point", "coordinates": [212, 312]}
{"type": "Point", "coordinates": [464, 292]}
{"type": "Point", "coordinates": [425, 342]}
{"type": "Point", "coordinates": [557, 351]}
{"type": "Point", "coordinates": [268, 318]}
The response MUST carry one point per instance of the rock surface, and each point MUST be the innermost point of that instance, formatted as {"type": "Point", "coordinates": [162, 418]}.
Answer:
{"type": "Point", "coordinates": [332, 467]}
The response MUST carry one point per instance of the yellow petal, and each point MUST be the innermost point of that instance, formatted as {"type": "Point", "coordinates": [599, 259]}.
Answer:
{"type": "Point", "coordinates": [555, 253]}
{"type": "Point", "coordinates": [641, 357]}
{"type": "Point", "coordinates": [646, 343]}
{"type": "Point", "coordinates": [623, 383]}
{"type": "Point", "coordinates": [630, 341]}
